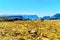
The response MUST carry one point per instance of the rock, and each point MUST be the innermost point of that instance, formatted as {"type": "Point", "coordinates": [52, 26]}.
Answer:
{"type": "Point", "coordinates": [32, 31]}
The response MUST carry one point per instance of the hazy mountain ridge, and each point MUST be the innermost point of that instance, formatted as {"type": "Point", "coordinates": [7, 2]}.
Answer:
{"type": "Point", "coordinates": [34, 17]}
{"type": "Point", "coordinates": [54, 17]}
{"type": "Point", "coordinates": [27, 17]}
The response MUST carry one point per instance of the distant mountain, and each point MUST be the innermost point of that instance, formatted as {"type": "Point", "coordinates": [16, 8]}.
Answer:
{"type": "Point", "coordinates": [27, 17]}
{"type": "Point", "coordinates": [30, 17]}
{"type": "Point", "coordinates": [34, 17]}
{"type": "Point", "coordinates": [46, 17]}
{"type": "Point", "coordinates": [56, 15]}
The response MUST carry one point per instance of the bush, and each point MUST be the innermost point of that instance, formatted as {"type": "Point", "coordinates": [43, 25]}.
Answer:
{"type": "Point", "coordinates": [42, 19]}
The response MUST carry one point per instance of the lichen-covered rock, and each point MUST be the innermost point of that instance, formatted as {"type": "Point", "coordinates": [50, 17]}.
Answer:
{"type": "Point", "coordinates": [32, 31]}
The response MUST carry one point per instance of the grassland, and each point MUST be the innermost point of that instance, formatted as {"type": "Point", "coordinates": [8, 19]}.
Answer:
{"type": "Point", "coordinates": [18, 30]}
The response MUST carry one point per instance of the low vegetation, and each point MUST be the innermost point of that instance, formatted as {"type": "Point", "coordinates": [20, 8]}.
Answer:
{"type": "Point", "coordinates": [30, 30]}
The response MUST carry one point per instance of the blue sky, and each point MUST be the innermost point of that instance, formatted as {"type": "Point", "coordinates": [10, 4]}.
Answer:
{"type": "Point", "coordinates": [29, 7]}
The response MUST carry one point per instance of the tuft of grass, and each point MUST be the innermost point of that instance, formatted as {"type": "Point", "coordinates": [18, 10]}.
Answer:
{"type": "Point", "coordinates": [6, 38]}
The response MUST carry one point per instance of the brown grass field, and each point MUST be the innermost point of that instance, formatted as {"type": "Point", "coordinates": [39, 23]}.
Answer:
{"type": "Point", "coordinates": [18, 30]}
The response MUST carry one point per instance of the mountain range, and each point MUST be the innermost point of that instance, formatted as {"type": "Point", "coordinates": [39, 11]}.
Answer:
{"type": "Point", "coordinates": [24, 17]}
{"type": "Point", "coordinates": [54, 17]}
{"type": "Point", "coordinates": [34, 17]}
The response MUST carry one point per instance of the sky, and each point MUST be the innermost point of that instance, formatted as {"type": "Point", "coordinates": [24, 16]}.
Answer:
{"type": "Point", "coordinates": [29, 7]}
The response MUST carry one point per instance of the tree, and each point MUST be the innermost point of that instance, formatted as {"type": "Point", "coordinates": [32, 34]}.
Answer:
{"type": "Point", "coordinates": [42, 19]}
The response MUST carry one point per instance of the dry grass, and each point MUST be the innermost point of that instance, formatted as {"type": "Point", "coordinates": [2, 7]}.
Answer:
{"type": "Point", "coordinates": [18, 30]}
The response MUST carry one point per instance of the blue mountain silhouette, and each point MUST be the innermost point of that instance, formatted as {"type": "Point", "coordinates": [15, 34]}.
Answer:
{"type": "Point", "coordinates": [46, 17]}
{"type": "Point", "coordinates": [54, 17]}
{"type": "Point", "coordinates": [28, 17]}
